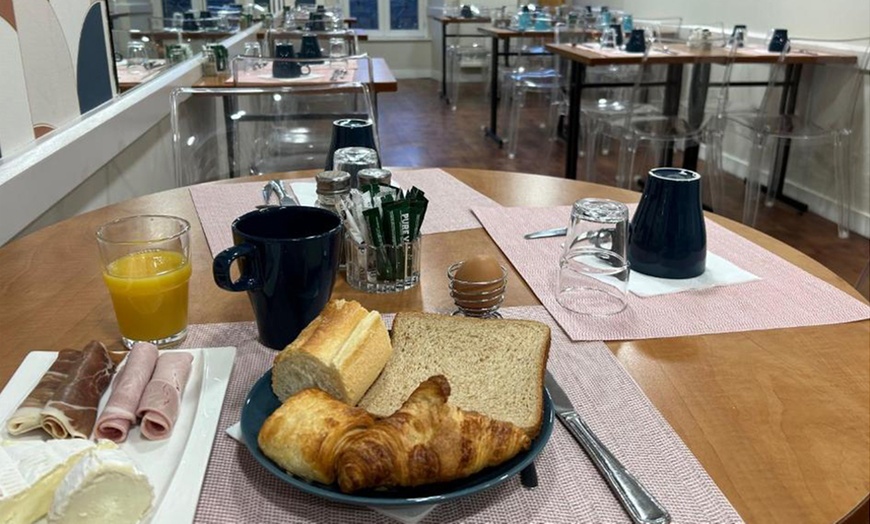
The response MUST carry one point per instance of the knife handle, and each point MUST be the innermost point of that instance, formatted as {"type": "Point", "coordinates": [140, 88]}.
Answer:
{"type": "Point", "coordinates": [641, 506]}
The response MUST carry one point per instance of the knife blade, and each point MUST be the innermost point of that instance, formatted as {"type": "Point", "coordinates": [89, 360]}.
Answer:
{"type": "Point", "coordinates": [547, 233]}
{"type": "Point", "coordinates": [638, 502]}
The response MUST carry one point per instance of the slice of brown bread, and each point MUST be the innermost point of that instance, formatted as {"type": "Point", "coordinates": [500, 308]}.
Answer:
{"type": "Point", "coordinates": [495, 367]}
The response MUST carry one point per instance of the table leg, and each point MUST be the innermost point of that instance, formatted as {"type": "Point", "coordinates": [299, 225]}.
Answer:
{"type": "Point", "coordinates": [698, 89]}
{"type": "Point", "coordinates": [507, 51]}
{"type": "Point", "coordinates": [578, 72]}
{"type": "Point", "coordinates": [492, 130]}
{"type": "Point", "coordinates": [786, 107]}
{"type": "Point", "coordinates": [673, 88]}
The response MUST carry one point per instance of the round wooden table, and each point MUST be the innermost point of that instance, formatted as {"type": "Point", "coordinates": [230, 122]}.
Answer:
{"type": "Point", "coordinates": [780, 419]}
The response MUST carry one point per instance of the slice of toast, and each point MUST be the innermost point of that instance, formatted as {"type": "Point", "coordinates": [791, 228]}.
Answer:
{"type": "Point", "coordinates": [495, 367]}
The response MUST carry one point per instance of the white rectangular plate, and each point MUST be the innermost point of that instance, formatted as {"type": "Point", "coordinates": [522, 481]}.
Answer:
{"type": "Point", "coordinates": [175, 466]}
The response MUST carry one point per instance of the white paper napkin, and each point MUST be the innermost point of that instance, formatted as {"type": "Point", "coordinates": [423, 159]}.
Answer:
{"type": "Point", "coordinates": [407, 515]}
{"type": "Point", "coordinates": [718, 272]}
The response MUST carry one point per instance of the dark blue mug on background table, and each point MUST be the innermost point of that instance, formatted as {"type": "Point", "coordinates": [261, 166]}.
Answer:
{"type": "Point", "coordinates": [288, 259]}
{"type": "Point", "coordinates": [285, 68]}
{"type": "Point", "coordinates": [668, 237]}
{"type": "Point", "coordinates": [778, 41]}
{"type": "Point", "coordinates": [636, 42]}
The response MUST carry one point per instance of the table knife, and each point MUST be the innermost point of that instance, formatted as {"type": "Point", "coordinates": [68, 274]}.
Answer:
{"type": "Point", "coordinates": [547, 233]}
{"type": "Point", "coordinates": [284, 198]}
{"type": "Point", "coordinates": [640, 505]}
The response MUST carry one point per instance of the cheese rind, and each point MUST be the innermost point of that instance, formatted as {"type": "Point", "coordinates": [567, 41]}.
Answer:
{"type": "Point", "coordinates": [104, 487]}
{"type": "Point", "coordinates": [30, 471]}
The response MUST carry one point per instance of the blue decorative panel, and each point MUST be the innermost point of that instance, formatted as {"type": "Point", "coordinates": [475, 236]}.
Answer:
{"type": "Point", "coordinates": [92, 72]}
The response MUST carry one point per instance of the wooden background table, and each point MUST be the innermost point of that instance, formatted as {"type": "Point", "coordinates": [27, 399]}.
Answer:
{"type": "Point", "coordinates": [779, 418]}
{"type": "Point", "coordinates": [446, 21]}
{"type": "Point", "coordinates": [582, 57]}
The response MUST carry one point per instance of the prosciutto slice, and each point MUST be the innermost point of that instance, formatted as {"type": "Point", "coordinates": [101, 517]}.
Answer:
{"type": "Point", "coordinates": [72, 410]}
{"type": "Point", "coordinates": [161, 400]}
{"type": "Point", "coordinates": [120, 411]}
{"type": "Point", "coordinates": [28, 416]}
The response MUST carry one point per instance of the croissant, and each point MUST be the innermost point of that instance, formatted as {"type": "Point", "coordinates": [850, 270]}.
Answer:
{"type": "Point", "coordinates": [304, 434]}
{"type": "Point", "coordinates": [426, 441]}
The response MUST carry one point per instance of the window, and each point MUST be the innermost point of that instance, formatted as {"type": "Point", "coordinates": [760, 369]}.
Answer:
{"type": "Point", "coordinates": [389, 17]}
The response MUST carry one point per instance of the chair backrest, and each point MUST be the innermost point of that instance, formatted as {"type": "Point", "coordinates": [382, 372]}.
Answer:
{"type": "Point", "coordinates": [835, 89]}
{"type": "Point", "coordinates": [722, 51]}
{"type": "Point", "coordinates": [235, 131]}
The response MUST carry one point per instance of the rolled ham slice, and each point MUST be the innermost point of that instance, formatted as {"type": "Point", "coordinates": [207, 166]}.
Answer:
{"type": "Point", "coordinates": [120, 411]}
{"type": "Point", "coordinates": [161, 400]}
{"type": "Point", "coordinates": [72, 410]}
{"type": "Point", "coordinates": [28, 416]}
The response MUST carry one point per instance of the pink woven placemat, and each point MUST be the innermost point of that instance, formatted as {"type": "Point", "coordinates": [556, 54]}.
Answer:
{"type": "Point", "coordinates": [320, 74]}
{"type": "Point", "coordinates": [237, 489]}
{"type": "Point", "coordinates": [786, 296]}
{"type": "Point", "coordinates": [450, 203]}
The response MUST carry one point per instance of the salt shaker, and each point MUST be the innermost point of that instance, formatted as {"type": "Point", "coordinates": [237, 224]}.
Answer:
{"type": "Point", "coordinates": [374, 176]}
{"type": "Point", "coordinates": [331, 187]}
{"type": "Point", "coordinates": [353, 160]}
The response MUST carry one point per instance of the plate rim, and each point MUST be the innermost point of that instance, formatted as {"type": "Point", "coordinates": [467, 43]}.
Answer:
{"type": "Point", "coordinates": [250, 441]}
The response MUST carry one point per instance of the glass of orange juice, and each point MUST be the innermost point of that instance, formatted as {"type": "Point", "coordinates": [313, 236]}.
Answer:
{"type": "Point", "coordinates": [146, 266]}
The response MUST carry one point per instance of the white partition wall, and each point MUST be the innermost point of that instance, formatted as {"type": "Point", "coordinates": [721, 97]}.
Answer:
{"type": "Point", "coordinates": [57, 64]}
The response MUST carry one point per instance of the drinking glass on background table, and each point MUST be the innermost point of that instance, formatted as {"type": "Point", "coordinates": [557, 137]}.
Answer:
{"type": "Point", "coordinates": [146, 266]}
{"type": "Point", "coordinates": [137, 57]}
{"type": "Point", "coordinates": [593, 269]}
{"type": "Point", "coordinates": [252, 50]}
{"type": "Point", "coordinates": [338, 48]}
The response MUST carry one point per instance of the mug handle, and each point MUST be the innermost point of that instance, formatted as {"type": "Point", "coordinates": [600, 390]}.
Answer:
{"type": "Point", "coordinates": [303, 71]}
{"type": "Point", "coordinates": [221, 269]}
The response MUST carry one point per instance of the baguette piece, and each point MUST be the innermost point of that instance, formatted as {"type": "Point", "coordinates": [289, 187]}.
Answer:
{"type": "Point", "coordinates": [495, 367]}
{"type": "Point", "coordinates": [342, 351]}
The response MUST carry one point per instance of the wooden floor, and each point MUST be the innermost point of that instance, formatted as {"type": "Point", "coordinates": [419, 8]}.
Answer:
{"type": "Point", "coordinates": [418, 129]}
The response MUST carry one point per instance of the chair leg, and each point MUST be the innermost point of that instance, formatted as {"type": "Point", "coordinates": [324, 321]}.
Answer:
{"type": "Point", "coordinates": [715, 170]}
{"type": "Point", "coordinates": [594, 130]}
{"type": "Point", "coordinates": [625, 168]}
{"type": "Point", "coordinates": [753, 182]}
{"type": "Point", "coordinates": [517, 102]}
{"type": "Point", "coordinates": [455, 72]}
{"type": "Point", "coordinates": [842, 181]}
{"type": "Point", "coordinates": [772, 182]}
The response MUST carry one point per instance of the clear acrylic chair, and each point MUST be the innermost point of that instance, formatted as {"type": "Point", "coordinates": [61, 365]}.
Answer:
{"type": "Point", "coordinates": [474, 53]}
{"type": "Point", "coordinates": [535, 72]}
{"type": "Point", "coordinates": [818, 121]}
{"type": "Point", "coordinates": [660, 132]}
{"type": "Point", "coordinates": [228, 132]}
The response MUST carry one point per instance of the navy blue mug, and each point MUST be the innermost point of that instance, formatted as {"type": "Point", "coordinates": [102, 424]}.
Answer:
{"type": "Point", "coordinates": [618, 30]}
{"type": "Point", "coordinates": [310, 48]}
{"type": "Point", "coordinates": [288, 259]}
{"type": "Point", "coordinates": [351, 132]}
{"type": "Point", "coordinates": [668, 237]}
{"type": "Point", "coordinates": [636, 41]}
{"type": "Point", "coordinates": [285, 68]}
{"type": "Point", "coordinates": [778, 41]}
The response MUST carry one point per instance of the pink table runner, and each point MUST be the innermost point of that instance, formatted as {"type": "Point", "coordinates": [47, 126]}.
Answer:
{"type": "Point", "coordinates": [237, 489]}
{"type": "Point", "coordinates": [450, 203]}
{"type": "Point", "coordinates": [786, 296]}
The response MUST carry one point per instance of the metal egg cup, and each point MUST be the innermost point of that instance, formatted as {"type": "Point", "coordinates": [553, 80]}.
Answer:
{"type": "Point", "coordinates": [477, 292]}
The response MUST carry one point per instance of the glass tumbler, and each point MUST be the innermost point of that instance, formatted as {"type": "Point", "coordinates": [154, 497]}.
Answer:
{"type": "Point", "coordinates": [338, 48]}
{"type": "Point", "coordinates": [594, 269]}
{"type": "Point", "coordinates": [146, 267]}
{"type": "Point", "coordinates": [137, 57]}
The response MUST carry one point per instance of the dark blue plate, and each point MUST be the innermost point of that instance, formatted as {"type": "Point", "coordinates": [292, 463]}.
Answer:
{"type": "Point", "coordinates": [261, 402]}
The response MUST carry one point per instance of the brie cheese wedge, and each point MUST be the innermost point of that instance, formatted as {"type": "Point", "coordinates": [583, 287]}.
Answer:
{"type": "Point", "coordinates": [30, 471]}
{"type": "Point", "coordinates": [105, 486]}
